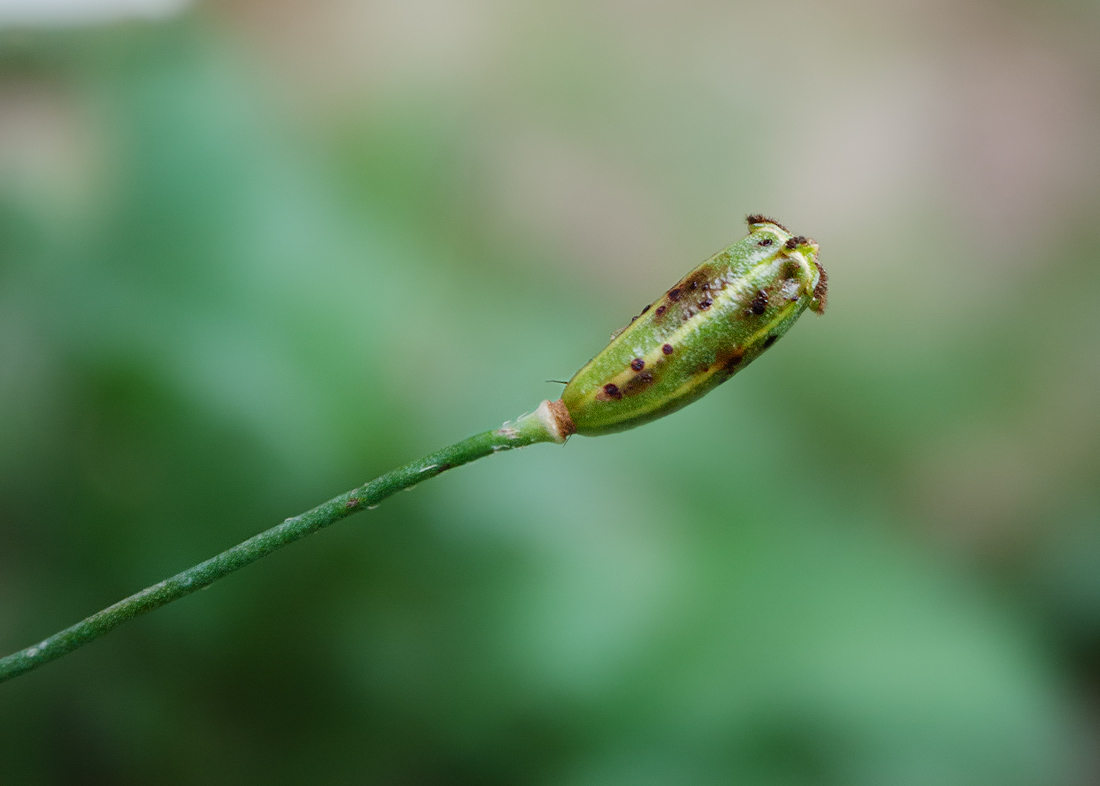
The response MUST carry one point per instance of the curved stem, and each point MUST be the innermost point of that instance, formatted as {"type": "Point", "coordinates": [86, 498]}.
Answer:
{"type": "Point", "coordinates": [543, 425]}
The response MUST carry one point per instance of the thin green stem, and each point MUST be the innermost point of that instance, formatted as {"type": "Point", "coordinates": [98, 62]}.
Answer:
{"type": "Point", "coordinates": [539, 426]}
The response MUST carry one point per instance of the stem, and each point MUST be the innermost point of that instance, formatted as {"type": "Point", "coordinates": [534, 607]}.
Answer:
{"type": "Point", "coordinates": [549, 423]}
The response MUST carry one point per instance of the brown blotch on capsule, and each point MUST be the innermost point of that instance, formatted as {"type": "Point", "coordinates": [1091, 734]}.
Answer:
{"type": "Point", "coordinates": [611, 391]}
{"type": "Point", "coordinates": [731, 359]}
{"type": "Point", "coordinates": [637, 364]}
{"type": "Point", "coordinates": [645, 309]}
{"type": "Point", "coordinates": [661, 310]}
{"type": "Point", "coordinates": [705, 303]}
{"type": "Point", "coordinates": [697, 279]}
{"type": "Point", "coordinates": [667, 349]}
{"type": "Point", "coordinates": [765, 242]}
{"type": "Point", "coordinates": [770, 340]}
{"type": "Point", "coordinates": [637, 384]}
{"type": "Point", "coordinates": [674, 295]}
{"type": "Point", "coordinates": [759, 303]}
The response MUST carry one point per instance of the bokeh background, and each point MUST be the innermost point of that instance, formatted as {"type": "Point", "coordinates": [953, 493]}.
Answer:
{"type": "Point", "coordinates": [255, 253]}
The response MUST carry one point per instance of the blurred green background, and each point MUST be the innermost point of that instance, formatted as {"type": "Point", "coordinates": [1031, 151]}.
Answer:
{"type": "Point", "coordinates": [255, 253]}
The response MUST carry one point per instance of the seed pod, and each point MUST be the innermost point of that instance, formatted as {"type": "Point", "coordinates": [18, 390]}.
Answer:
{"type": "Point", "coordinates": [713, 323]}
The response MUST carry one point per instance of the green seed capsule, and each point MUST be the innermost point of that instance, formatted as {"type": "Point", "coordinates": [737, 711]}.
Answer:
{"type": "Point", "coordinates": [713, 323]}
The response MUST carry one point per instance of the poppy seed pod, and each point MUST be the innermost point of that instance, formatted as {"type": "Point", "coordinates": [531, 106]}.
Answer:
{"type": "Point", "coordinates": [714, 322]}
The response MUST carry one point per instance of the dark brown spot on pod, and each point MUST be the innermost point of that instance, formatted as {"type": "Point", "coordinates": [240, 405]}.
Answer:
{"type": "Point", "coordinates": [661, 310]}
{"type": "Point", "coordinates": [612, 391]}
{"type": "Point", "coordinates": [765, 242]}
{"type": "Point", "coordinates": [667, 349]}
{"type": "Point", "coordinates": [759, 303]}
{"type": "Point", "coordinates": [705, 303]}
{"type": "Point", "coordinates": [637, 364]}
{"type": "Point", "coordinates": [674, 294]}
{"type": "Point", "coordinates": [632, 320]}
{"type": "Point", "coordinates": [645, 309]}
{"type": "Point", "coordinates": [637, 384]}
{"type": "Point", "coordinates": [770, 340]}
{"type": "Point", "coordinates": [693, 285]}
{"type": "Point", "coordinates": [728, 358]}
